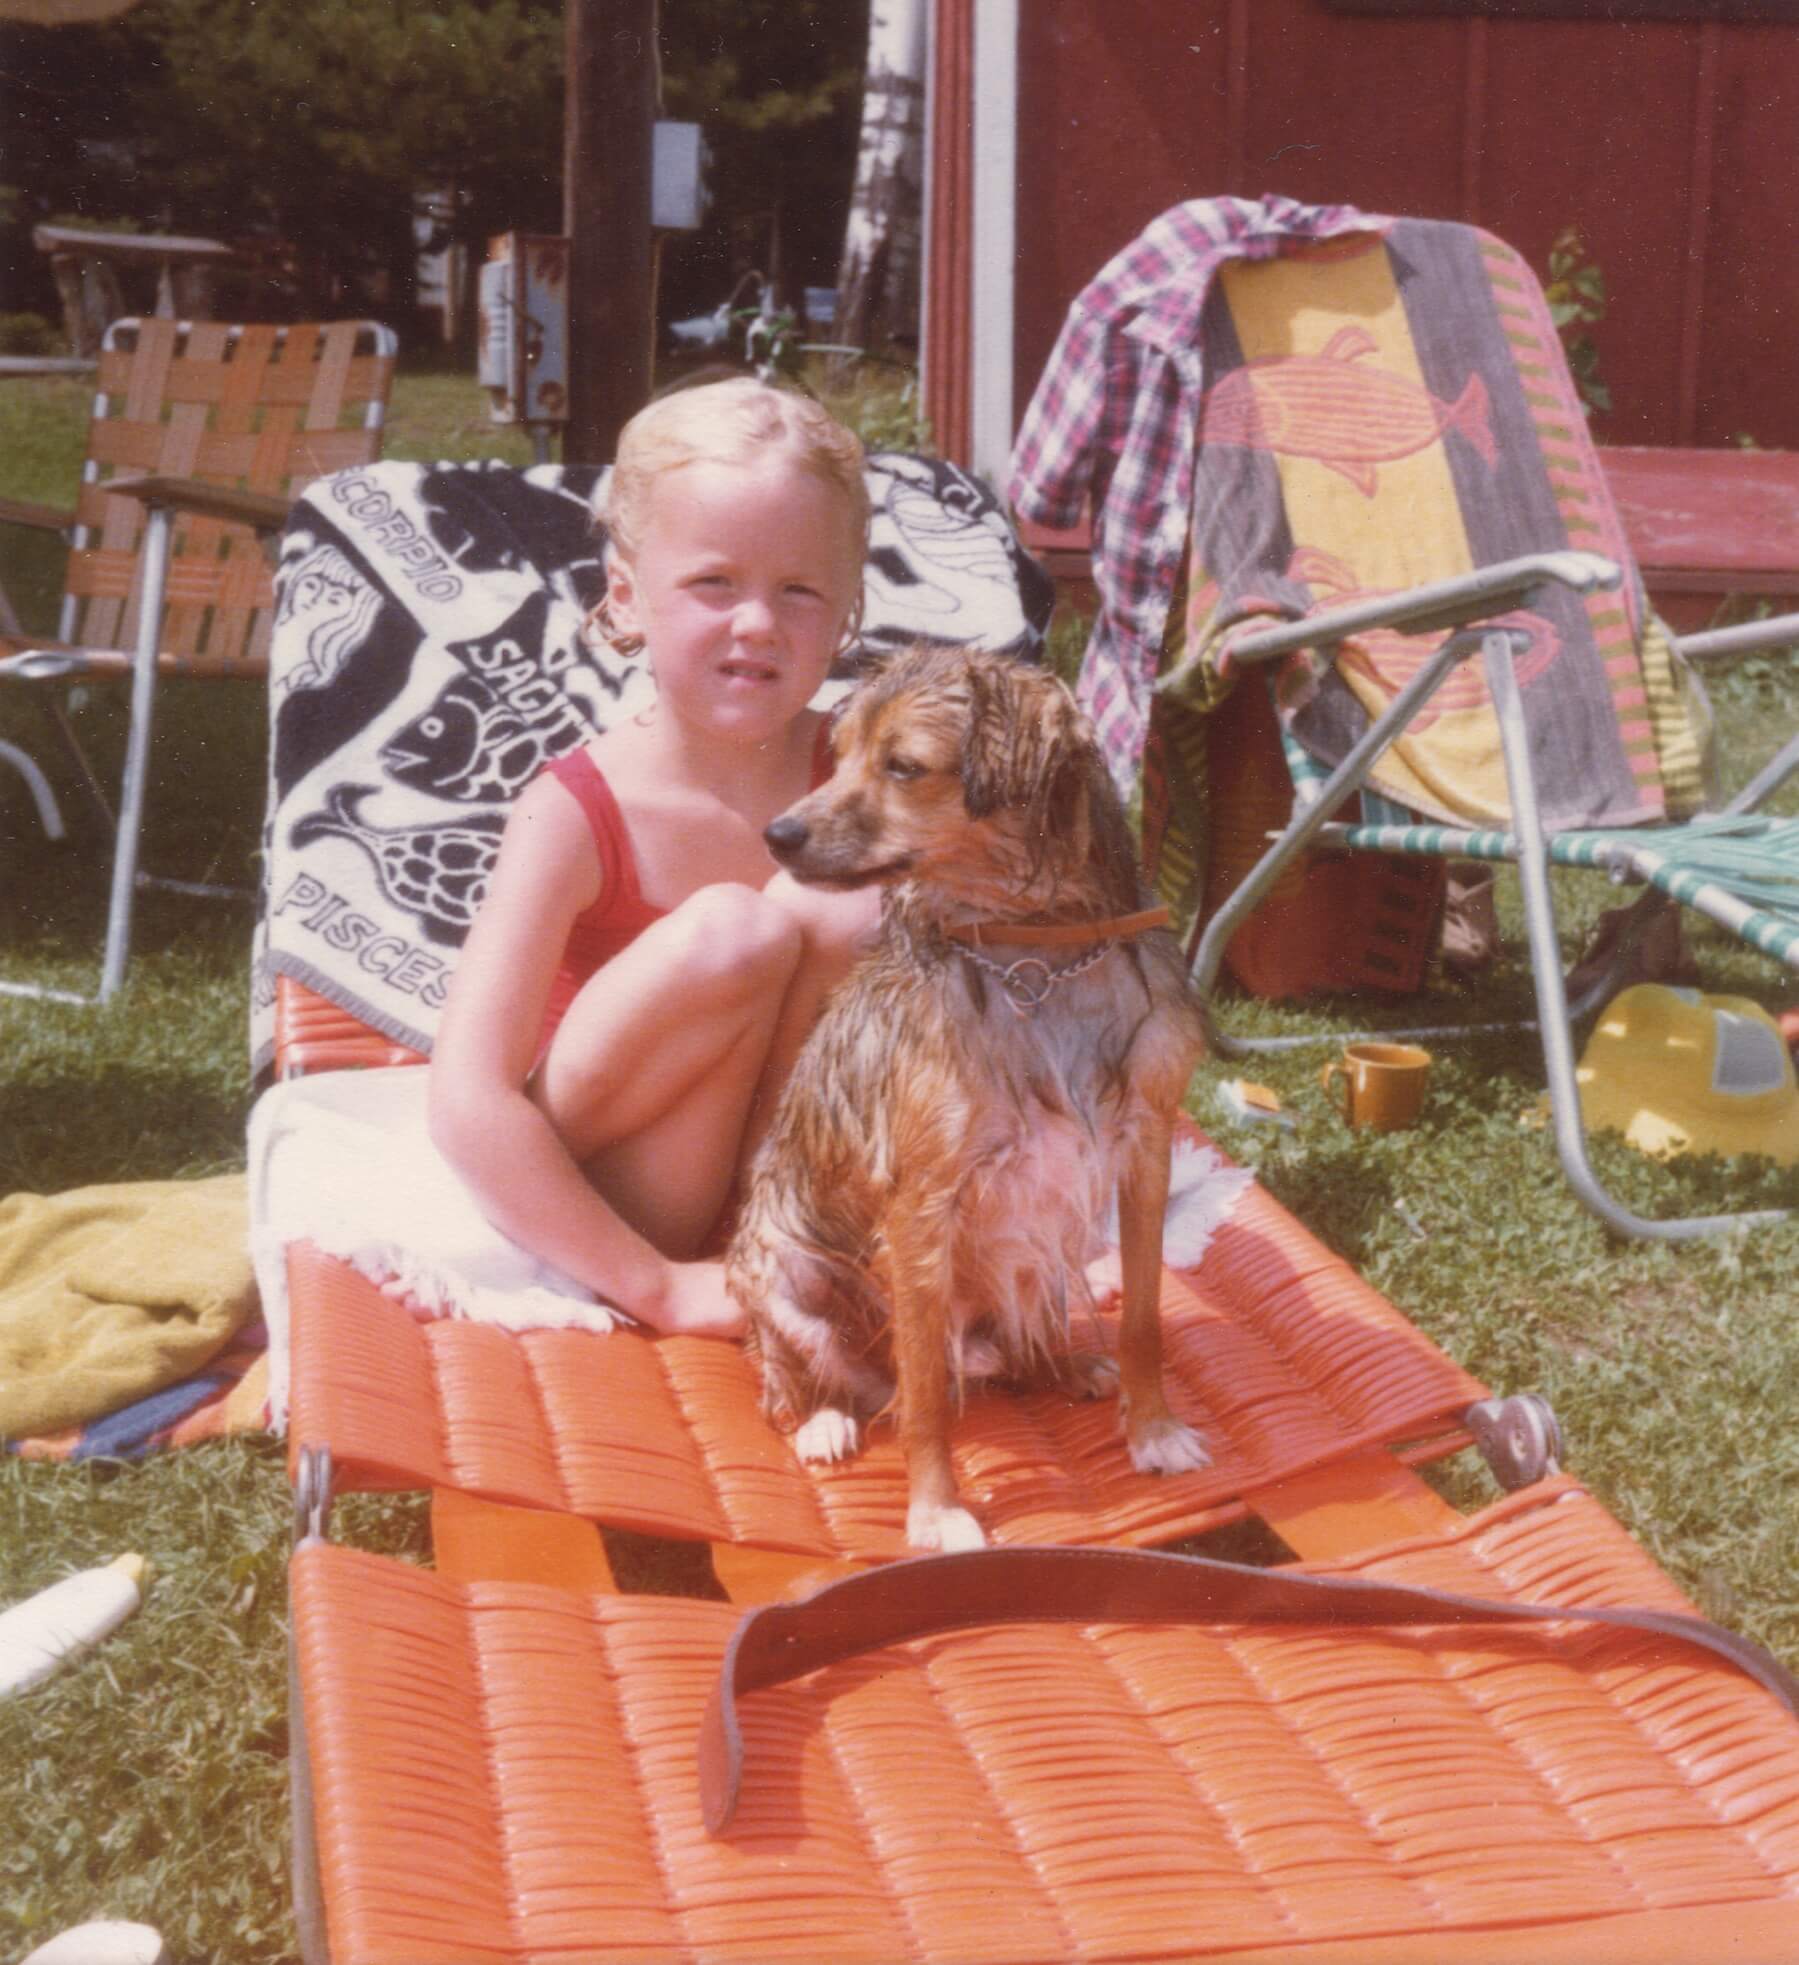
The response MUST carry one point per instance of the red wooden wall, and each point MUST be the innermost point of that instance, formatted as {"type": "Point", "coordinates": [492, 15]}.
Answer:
{"type": "Point", "coordinates": [1671, 143]}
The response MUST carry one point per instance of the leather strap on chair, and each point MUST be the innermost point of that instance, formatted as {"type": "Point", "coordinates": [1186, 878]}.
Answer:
{"type": "Point", "coordinates": [913, 1599]}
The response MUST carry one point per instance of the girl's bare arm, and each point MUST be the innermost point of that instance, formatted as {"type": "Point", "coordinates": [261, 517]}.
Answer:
{"type": "Point", "coordinates": [482, 1120]}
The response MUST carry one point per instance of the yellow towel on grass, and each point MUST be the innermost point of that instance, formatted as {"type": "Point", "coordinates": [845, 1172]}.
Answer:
{"type": "Point", "coordinates": [110, 1293]}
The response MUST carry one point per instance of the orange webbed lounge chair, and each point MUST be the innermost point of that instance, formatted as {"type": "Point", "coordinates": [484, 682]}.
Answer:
{"type": "Point", "coordinates": [492, 1766]}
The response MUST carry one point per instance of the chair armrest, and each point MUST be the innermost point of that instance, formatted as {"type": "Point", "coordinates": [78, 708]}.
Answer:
{"type": "Point", "coordinates": [1778, 631]}
{"type": "Point", "coordinates": [1456, 603]}
{"type": "Point", "coordinates": [260, 510]}
{"type": "Point", "coordinates": [25, 511]}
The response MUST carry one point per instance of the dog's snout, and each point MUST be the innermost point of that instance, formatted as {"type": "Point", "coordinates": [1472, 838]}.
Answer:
{"type": "Point", "coordinates": [786, 835]}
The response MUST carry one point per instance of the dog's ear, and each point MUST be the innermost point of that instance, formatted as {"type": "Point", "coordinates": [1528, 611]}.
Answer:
{"type": "Point", "coordinates": [1060, 801]}
{"type": "Point", "coordinates": [990, 743]}
{"type": "Point", "coordinates": [1029, 749]}
{"type": "Point", "coordinates": [864, 660]}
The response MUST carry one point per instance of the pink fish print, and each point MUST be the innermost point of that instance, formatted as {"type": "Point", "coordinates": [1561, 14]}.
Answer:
{"type": "Point", "coordinates": [1350, 419]}
{"type": "Point", "coordinates": [1388, 659]}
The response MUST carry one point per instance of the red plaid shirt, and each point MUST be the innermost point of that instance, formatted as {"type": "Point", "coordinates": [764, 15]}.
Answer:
{"type": "Point", "coordinates": [1111, 425]}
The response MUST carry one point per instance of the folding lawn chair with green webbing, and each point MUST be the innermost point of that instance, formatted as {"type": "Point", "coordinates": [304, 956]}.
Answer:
{"type": "Point", "coordinates": [1392, 475]}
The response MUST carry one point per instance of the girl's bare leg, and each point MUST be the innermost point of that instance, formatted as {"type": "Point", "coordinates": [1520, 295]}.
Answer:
{"type": "Point", "coordinates": [663, 1077]}
{"type": "Point", "coordinates": [650, 1077]}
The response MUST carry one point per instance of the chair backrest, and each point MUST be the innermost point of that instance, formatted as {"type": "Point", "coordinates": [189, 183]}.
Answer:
{"type": "Point", "coordinates": [259, 408]}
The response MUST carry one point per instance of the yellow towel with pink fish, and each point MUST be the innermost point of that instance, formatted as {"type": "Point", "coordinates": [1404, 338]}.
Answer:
{"type": "Point", "coordinates": [1389, 408]}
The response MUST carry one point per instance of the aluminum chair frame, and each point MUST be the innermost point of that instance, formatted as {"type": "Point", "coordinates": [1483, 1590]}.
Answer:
{"type": "Point", "coordinates": [1464, 604]}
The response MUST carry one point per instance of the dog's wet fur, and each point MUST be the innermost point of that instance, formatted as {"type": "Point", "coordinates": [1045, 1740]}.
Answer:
{"type": "Point", "coordinates": [933, 1185]}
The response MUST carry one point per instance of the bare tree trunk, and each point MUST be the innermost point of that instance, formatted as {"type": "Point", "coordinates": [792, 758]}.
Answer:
{"type": "Point", "coordinates": [91, 301]}
{"type": "Point", "coordinates": [877, 279]}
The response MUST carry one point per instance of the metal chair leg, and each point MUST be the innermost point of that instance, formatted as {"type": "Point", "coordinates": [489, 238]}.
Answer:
{"type": "Point", "coordinates": [312, 1504]}
{"type": "Point", "coordinates": [1306, 824]}
{"type": "Point", "coordinates": [157, 535]}
{"type": "Point", "coordinates": [308, 1887]}
{"type": "Point", "coordinates": [48, 812]}
{"type": "Point", "coordinates": [1546, 980]}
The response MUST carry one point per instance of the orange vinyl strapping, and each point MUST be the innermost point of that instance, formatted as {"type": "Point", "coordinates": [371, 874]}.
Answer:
{"type": "Point", "coordinates": [314, 1034]}
{"type": "Point", "coordinates": [1274, 1347]}
{"type": "Point", "coordinates": [506, 1773]}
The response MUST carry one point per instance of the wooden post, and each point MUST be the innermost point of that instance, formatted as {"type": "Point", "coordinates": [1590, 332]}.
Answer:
{"type": "Point", "coordinates": [611, 111]}
{"type": "Point", "coordinates": [949, 272]}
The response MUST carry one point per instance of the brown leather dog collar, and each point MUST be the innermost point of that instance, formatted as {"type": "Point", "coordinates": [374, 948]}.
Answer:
{"type": "Point", "coordinates": [1058, 934]}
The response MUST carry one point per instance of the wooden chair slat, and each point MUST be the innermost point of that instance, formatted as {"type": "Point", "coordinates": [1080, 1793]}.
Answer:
{"type": "Point", "coordinates": [253, 372]}
{"type": "Point", "coordinates": [317, 452]}
{"type": "Point", "coordinates": [225, 456]}
{"type": "Point", "coordinates": [146, 384]}
{"type": "Point", "coordinates": [271, 462]}
{"type": "Point", "coordinates": [183, 625]}
{"type": "Point", "coordinates": [364, 378]}
{"type": "Point", "coordinates": [329, 375]}
{"type": "Point", "coordinates": [126, 444]}
{"type": "Point", "coordinates": [182, 435]}
{"type": "Point", "coordinates": [95, 574]}
{"type": "Point", "coordinates": [207, 341]}
{"type": "Point", "coordinates": [99, 625]}
{"type": "Point", "coordinates": [114, 371]}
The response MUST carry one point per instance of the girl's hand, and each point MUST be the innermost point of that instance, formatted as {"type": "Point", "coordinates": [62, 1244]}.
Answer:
{"type": "Point", "coordinates": [694, 1303]}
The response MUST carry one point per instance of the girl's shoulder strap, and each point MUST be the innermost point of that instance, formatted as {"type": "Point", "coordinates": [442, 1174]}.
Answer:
{"type": "Point", "coordinates": [585, 783]}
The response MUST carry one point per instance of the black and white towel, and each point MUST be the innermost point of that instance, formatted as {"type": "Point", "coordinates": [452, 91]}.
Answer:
{"type": "Point", "coordinates": [429, 659]}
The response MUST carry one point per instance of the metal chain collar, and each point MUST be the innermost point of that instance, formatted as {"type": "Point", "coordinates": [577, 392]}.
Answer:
{"type": "Point", "coordinates": [1028, 981]}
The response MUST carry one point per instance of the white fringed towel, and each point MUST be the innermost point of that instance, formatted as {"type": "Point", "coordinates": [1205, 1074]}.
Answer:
{"type": "Point", "coordinates": [345, 1160]}
{"type": "Point", "coordinates": [1203, 1192]}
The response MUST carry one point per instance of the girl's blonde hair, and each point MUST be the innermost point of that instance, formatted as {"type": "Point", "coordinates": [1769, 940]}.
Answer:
{"type": "Point", "coordinates": [738, 421]}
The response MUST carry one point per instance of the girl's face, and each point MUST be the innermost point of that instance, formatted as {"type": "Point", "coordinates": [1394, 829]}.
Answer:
{"type": "Point", "coordinates": [742, 582]}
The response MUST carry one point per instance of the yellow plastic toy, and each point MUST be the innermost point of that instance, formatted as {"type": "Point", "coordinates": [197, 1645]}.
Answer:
{"type": "Point", "coordinates": [1675, 1071]}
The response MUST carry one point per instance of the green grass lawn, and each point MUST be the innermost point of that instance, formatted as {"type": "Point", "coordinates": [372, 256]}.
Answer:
{"type": "Point", "coordinates": [150, 1781]}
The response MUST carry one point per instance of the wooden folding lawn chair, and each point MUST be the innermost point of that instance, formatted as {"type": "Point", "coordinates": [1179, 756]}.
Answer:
{"type": "Point", "coordinates": [201, 433]}
{"type": "Point", "coordinates": [503, 1760]}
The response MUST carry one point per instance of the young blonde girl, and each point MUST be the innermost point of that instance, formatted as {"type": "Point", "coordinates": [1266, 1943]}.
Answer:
{"type": "Point", "coordinates": [639, 979]}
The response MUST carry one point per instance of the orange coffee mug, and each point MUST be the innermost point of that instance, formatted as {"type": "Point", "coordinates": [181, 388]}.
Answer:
{"type": "Point", "coordinates": [1383, 1084]}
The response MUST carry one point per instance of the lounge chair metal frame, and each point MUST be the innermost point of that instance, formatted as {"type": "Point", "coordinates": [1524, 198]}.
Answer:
{"type": "Point", "coordinates": [1463, 605]}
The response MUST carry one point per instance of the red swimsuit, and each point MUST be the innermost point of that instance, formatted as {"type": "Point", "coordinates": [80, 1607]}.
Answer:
{"type": "Point", "coordinates": [621, 913]}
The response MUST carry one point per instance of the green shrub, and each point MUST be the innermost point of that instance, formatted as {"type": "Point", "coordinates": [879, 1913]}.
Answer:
{"type": "Point", "coordinates": [29, 334]}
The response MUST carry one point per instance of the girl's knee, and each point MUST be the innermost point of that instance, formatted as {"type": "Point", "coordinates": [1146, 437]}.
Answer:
{"type": "Point", "coordinates": [730, 934]}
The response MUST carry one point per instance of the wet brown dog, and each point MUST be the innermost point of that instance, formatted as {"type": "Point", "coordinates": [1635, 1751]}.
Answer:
{"type": "Point", "coordinates": [1011, 1054]}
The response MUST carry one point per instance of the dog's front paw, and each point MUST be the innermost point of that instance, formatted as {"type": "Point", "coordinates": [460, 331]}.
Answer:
{"type": "Point", "coordinates": [1166, 1446]}
{"type": "Point", "coordinates": [827, 1435]}
{"type": "Point", "coordinates": [930, 1525]}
